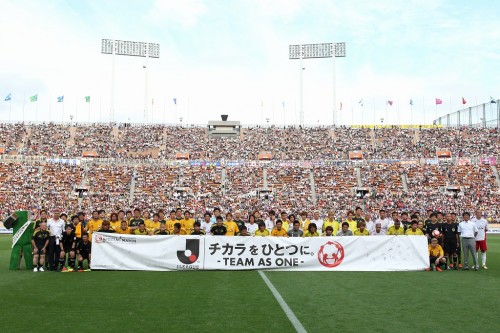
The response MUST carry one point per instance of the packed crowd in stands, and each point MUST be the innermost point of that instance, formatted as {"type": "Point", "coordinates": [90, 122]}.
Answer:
{"type": "Point", "coordinates": [284, 143]}
{"type": "Point", "coordinates": [411, 187]}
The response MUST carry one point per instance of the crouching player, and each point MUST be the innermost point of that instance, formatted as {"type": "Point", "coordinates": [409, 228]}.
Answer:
{"type": "Point", "coordinates": [436, 256]}
{"type": "Point", "coordinates": [84, 251]}
{"type": "Point", "coordinates": [67, 244]}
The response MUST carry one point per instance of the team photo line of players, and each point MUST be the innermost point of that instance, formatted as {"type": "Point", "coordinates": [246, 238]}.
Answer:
{"type": "Point", "coordinates": [57, 238]}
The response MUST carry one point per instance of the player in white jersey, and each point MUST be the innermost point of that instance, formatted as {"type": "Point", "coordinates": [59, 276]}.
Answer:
{"type": "Point", "coordinates": [207, 223]}
{"type": "Point", "coordinates": [482, 227]}
{"type": "Point", "coordinates": [383, 220]}
{"type": "Point", "coordinates": [252, 227]}
{"type": "Point", "coordinates": [319, 222]}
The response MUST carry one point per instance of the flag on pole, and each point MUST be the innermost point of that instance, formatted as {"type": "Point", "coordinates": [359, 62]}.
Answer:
{"type": "Point", "coordinates": [175, 101]}
{"type": "Point", "coordinates": [87, 99]}
{"type": "Point", "coordinates": [438, 101]}
{"type": "Point", "coordinates": [464, 101]}
{"type": "Point", "coordinates": [390, 102]}
{"type": "Point", "coordinates": [8, 97]}
{"type": "Point", "coordinates": [361, 102]}
{"type": "Point", "coordinates": [492, 100]}
{"type": "Point", "coordinates": [411, 102]}
{"type": "Point", "coordinates": [60, 99]}
{"type": "Point", "coordinates": [34, 98]}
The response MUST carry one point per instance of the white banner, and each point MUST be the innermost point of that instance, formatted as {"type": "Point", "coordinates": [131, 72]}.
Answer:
{"type": "Point", "coordinates": [165, 253]}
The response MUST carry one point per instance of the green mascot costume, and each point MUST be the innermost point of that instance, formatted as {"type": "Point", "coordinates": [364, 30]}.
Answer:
{"type": "Point", "coordinates": [21, 239]}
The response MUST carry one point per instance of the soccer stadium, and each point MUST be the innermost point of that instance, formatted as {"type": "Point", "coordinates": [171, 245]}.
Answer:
{"type": "Point", "coordinates": [310, 166]}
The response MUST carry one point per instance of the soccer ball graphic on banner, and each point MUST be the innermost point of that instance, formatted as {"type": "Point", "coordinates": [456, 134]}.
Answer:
{"type": "Point", "coordinates": [436, 233]}
{"type": "Point", "coordinates": [331, 254]}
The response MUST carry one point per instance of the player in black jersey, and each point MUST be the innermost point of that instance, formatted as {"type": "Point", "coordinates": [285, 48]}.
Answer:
{"type": "Point", "coordinates": [67, 245]}
{"type": "Point", "coordinates": [431, 226]}
{"type": "Point", "coordinates": [450, 241]}
{"type": "Point", "coordinates": [459, 248]}
{"type": "Point", "coordinates": [84, 251]}
{"type": "Point", "coordinates": [40, 241]}
{"type": "Point", "coordinates": [218, 229]}
{"type": "Point", "coordinates": [197, 229]}
{"type": "Point", "coordinates": [162, 230]}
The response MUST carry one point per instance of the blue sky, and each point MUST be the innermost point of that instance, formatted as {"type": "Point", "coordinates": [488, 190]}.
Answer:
{"type": "Point", "coordinates": [232, 57]}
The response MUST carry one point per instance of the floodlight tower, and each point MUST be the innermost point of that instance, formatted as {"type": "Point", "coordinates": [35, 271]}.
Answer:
{"type": "Point", "coordinates": [322, 50]}
{"type": "Point", "coordinates": [128, 48]}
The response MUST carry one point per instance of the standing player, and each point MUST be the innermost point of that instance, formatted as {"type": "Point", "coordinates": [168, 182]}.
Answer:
{"type": "Point", "coordinates": [450, 241]}
{"type": "Point", "coordinates": [431, 226]}
{"type": "Point", "coordinates": [67, 245]}
{"type": "Point", "coordinates": [218, 229]}
{"type": "Point", "coordinates": [40, 241]}
{"type": "Point", "coordinates": [197, 229]}
{"type": "Point", "coordinates": [482, 228]}
{"type": "Point", "coordinates": [83, 252]}
{"type": "Point", "coordinates": [278, 231]}
{"type": "Point", "coordinates": [187, 222]}
{"type": "Point", "coordinates": [231, 226]}
{"type": "Point", "coordinates": [207, 223]}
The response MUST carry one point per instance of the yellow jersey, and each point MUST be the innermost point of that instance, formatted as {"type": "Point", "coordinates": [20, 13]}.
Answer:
{"type": "Point", "coordinates": [308, 234]}
{"type": "Point", "coordinates": [279, 233]}
{"type": "Point", "coordinates": [358, 232]}
{"type": "Point", "coordinates": [93, 225]}
{"type": "Point", "coordinates": [169, 225]}
{"type": "Point", "coordinates": [78, 230]}
{"type": "Point", "coordinates": [121, 231]}
{"type": "Point", "coordinates": [417, 232]}
{"type": "Point", "coordinates": [435, 251]}
{"type": "Point", "coordinates": [393, 231]}
{"type": "Point", "coordinates": [232, 228]}
{"type": "Point", "coordinates": [139, 232]}
{"type": "Point", "coordinates": [334, 224]}
{"type": "Point", "coordinates": [115, 224]}
{"type": "Point", "coordinates": [181, 232]}
{"type": "Point", "coordinates": [262, 233]}
{"type": "Point", "coordinates": [187, 225]}
{"type": "Point", "coordinates": [285, 225]}
{"type": "Point", "coordinates": [353, 225]}
{"type": "Point", "coordinates": [152, 225]}
{"type": "Point", "coordinates": [305, 224]}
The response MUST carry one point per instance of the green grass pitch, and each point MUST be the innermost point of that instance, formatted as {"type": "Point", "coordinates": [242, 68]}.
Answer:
{"type": "Point", "coordinates": [231, 301]}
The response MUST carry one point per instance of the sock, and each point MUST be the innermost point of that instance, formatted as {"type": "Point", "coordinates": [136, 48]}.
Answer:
{"type": "Point", "coordinates": [71, 262]}
{"type": "Point", "coordinates": [483, 258]}
{"type": "Point", "coordinates": [455, 259]}
{"type": "Point", "coordinates": [62, 261]}
{"type": "Point", "coordinates": [80, 264]}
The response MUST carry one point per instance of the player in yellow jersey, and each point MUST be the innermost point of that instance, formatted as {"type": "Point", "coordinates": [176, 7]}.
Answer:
{"type": "Point", "coordinates": [396, 229]}
{"type": "Point", "coordinates": [178, 231]}
{"type": "Point", "coordinates": [330, 221]}
{"type": "Point", "coordinates": [436, 255]}
{"type": "Point", "coordinates": [93, 224]}
{"type": "Point", "coordinates": [171, 222]}
{"type": "Point", "coordinates": [141, 230]}
{"type": "Point", "coordinates": [353, 224]}
{"type": "Point", "coordinates": [153, 224]}
{"type": "Point", "coordinates": [262, 231]}
{"type": "Point", "coordinates": [361, 231]}
{"type": "Point", "coordinates": [123, 229]}
{"type": "Point", "coordinates": [312, 231]}
{"type": "Point", "coordinates": [114, 222]}
{"type": "Point", "coordinates": [231, 226]}
{"type": "Point", "coordinates": [304, 221]}
{"type": "Point", "coordinates": [414, 230]}
{"type": "Point", "coordinates": [187, 222]}
{"type": "Point", "coordinates": [278, 231]}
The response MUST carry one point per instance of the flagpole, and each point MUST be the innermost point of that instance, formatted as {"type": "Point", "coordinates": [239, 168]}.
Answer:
{"type": "Point", "coordinates": [89, 109]}
{"type": "Point", "coordinates": [374, 117]}
{"type": "Point", "coordinates": [24, 102]}
{"type": "Point", "coordinates": [386, 113]}
{"type": "Point", "coordinates": [411, 113]}
{"type": "Point", "coordinates": [399, 119]}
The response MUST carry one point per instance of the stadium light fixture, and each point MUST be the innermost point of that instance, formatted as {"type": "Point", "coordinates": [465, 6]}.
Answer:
{"type": "Point", "coordinates": [134, 49]}
{"type": "Point", "coordinates": [311, 51]}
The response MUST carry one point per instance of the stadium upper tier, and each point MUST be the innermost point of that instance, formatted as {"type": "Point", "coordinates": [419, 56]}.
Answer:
{"type": "Point", "coordinates": [283, 143]}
